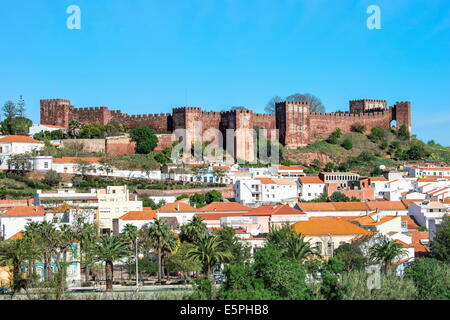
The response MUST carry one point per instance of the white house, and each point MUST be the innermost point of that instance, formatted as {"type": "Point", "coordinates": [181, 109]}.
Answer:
{"type": "Point", "coordinates": [135, 218]}
{"type": "Point", "coordinates": [428, 213]}
{"type": "Point", "coordinates": [15, 219]}
{"type": "Point", "coordinates": [311, 188]}
{"type": "Point", "coordinates": [380, 185]}
{"type": "Point", "coordinates": [428, 171]}
{"type": "Point", "coordinates": [37, 128]}
{"type": "Point", "coordinates": [266, 190]}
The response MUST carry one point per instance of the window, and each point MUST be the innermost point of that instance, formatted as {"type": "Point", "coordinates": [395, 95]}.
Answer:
{"type": "Point", "coordinates": [319, 246]}
{"type": "Point", "coordinates": [46, 165]}
{"type": "Point", "coordinates": [330, 247]}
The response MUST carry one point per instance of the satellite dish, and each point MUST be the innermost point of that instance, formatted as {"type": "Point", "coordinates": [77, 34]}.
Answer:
{"type": "Point", "coordinates": [254, 232]}
{"type": "Point", "coordinates": [382, 167]}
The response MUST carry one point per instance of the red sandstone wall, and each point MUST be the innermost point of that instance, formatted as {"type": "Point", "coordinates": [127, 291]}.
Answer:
{"type": "Point", "coordinates": [322, 124]}
{"type": "Point", "coordinates": [164, 141]}
{"type": "Point", "coordinates": [363, 194]}
{"type": "Point", "coordinates": [120, 146]}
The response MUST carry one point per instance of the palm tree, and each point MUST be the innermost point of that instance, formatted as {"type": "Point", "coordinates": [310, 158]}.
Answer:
{"type": "Point", "coordinates": [86, 234]}
{"type": "Point", "coordinates": [158, 233]}
{"type": "Point", "coordinates": [209, 251]}
{"type": "Point", "coordinates": [74, 128]}
{"type": "Point", "coordinates": [47, 237]}
{"type": "Point", "coordinates": [31, 236]}
{"type": "Point", "coordinates": [299, 249]}
{"type": "Point", "coordinates": [385, 251]}
{"type": "Point", "coordinates": [14, 252]}
{"type": "Point", "coordinates": [109, 249]}
{"type": "Point", "coordinates": [194, 230]}
{"type": "Point", "coordinates": [130, 235]}
{"type": "Point", "coordinates": [65, 240]}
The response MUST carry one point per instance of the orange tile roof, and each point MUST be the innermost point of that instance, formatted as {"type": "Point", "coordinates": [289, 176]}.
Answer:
{"type": "Point", "coordinates": [316, 206]}
{"type": "Point", "coordinates": [139, 215]}
{"type": "Point", "coordinates": [290, 168]}
{"type": "Point", "coordinates": [17, 236]}
{"type": "Point", "coordinates": [217, 215]}
{"type": "Point", "coordinates": [310, 180]}
{"type": "Point", "coordinates": [416, 236]}
{"type": "Point", "coordinates": [411, 222]}
{"type": "Point", "coordinates": [266, 180]}
{"type": "Point", "coordinates": [351, 206]}
{"type": "Point", "coordinates": [19, 139]}
{"type": "Point", "coordinates": [224, 206]}
{"type": "Point", "coordinates": [177, 206]}
{"type": "Point", "coordinates": [404, 244]}
{"type": "Point", "coordinates": [269, 210]}
{"type": "Point", "coordinates": [75, 159]}
{"type": "Point", "coordinates": [348, 218]}
{"type": "Point", "coordinates": [324, 227]}
{"type": "Point", "coordinates": [369, 220]}
{"type": "Point", "coordinates": [62, 208]}
{"type": "Point", "coordinates": [24, 212]}
{"type": "Point", "coordinates": [386, 205]}
{"type": "Point", "coordinates": [377, 179]}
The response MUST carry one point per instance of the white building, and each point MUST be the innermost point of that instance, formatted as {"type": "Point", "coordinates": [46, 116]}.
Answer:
{"type": "Point", "coordinates": [428, 171]}
{"type": "Point", "coordinates": [37, 128]}
{"type": "Point", "coordinates": [311, 188]}
{"type": "Point", "coordinates": [15, 219]}
{"type": "Point", "coordinates": [135, 218]}
{"type": "Point", "coordinates": [266, 190]}
{"type": "Point", "coordinates": [428, 213]}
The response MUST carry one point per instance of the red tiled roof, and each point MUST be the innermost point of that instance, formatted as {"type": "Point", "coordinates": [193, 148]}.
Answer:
{"type": "Point", "coordinates": [416, 236]}
{"type": "Point", "coordinates": [177, 206]}
{"type": "Point", "coordinates": [17, 236]}
{"type": "Point", "coordinates": [24, 212]}
{"type": "Point", "coordinates": [266, 180]}
{"type": "Point", "coordinates": [269, 210]}
{"type": "Point", "coordinates": [139, 215]}
{"type": "Point", "coordinates": [334, 227]}
{"type": "Point", "coordinates": [377, 179]}
{"type": "Point", "coordinates": [217, 215]}
{"type": "Point", "coordinates": [19, 139]}
{"type": "Point", "coordinates": [311, 180]}
{"type": "Point", "coordinates": [411, 222]}
{"type": "Point", "coordinates": [285, 168]}
{"type": "Point", "coordinates": [224, 206]}
{"type": "Point", "coordinates": [386, 205]}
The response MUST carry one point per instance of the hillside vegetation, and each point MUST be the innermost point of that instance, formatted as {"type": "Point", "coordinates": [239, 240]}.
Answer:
{"type": "Point", "coordinates": [365, 152]}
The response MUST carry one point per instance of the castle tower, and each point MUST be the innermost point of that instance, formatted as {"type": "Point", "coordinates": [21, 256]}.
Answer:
{"type": "Point", "coordinates": [55, 112]}
{"type": "Point", "coordinates": [189, 119]}
{"type": "Point", "coordinates": [402, 114]}
{"type": "Point", "coordinates": [292, 119]}
{"type": "Point", "coordinates": [244, 136]}
{"type": "Point", "coordinates": [367, 105]}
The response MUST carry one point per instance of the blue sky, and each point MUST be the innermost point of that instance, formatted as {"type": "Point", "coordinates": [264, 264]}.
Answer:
{"type": "Point", "coordinates": [147, 56]}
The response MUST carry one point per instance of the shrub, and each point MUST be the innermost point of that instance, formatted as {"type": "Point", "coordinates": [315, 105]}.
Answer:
{"type": "Point", "coordinates": [52, 178]}
{"type": "Point", "coordinates": [145, 139]}
{"type": "Point", "coordinates": [347, 144]}
{"type": "Point", "coordinates": [357, 127]}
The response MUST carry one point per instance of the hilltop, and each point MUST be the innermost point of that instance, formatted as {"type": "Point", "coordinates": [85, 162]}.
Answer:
{"type": "Point", "coordinates": [363, 151]}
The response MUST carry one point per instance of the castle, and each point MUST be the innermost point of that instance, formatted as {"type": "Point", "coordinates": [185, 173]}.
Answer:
{"type": "Point", "coordinates": [297, 125]}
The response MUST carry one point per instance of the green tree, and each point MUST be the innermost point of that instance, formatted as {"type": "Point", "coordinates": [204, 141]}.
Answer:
{"type": "Point", "coordinates": [52, 178]}
{"type": "Point", "coordinates": [110, 248]}
{"type": "Point", "coordinates": [213, 196]}
{"type": "Point", "coordinates": [385, 251]}
{"type": "Point", "coordinates": [352, 256]}
{"type": "Point", "coordinates": [193, 231]}
{"type": "Point", "coordinates": [197, 200]}
{"type": "Point", "coordinates": [290, 243]}
{"type": "Point", "coordinates": [14, 252]}
{"type": "Point", "coordinates": [240, 250]}
{"type": "Point", "coordinates": [145, 139]}
{"type": "Point", "coordinates": [347, 144]}
{"type": "Point", "coordinates": [403, 132]}
{"type": "Point", "coordinates": [106, 165]}
{"type": "Point", "coordinates": [440, 246]}
{"type": "Point", "coordinates": [74, 128]}
{"type": "Point", "coordinates": [158, 233]}
{"type": "Point", "coordinates": [182, 262]}
{"type": "Point", "coordinates": [130, 237]}
{"type": "Point", "coordinates": [377, 134]}
{"type": "Point", "coordinates": [209, 252]}
{"type": "Point", "coordinates": [431, 277]}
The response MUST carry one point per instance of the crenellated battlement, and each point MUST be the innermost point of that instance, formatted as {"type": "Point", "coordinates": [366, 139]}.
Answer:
{"type": "Point", "coordinates": [296, 124]}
